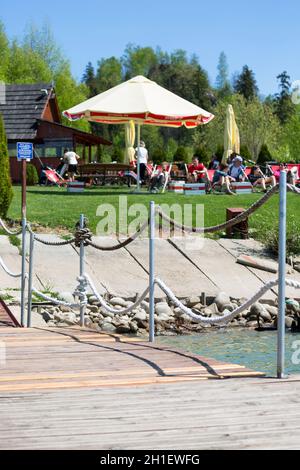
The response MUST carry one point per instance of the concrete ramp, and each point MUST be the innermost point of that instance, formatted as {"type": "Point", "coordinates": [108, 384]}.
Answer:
{"type": "Point", "coordinates": [173, 268]}
{"type": "Point", "coordinates": [254, 248]}
{"type": "Point", "coordinates": [221, 267]}
{"type": "Point", "coordinates": [116, 271]}
{"type": "Point", "coordinates": [11, 257]}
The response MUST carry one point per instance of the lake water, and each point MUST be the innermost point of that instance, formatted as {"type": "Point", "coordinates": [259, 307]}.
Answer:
{"type": "Point", "coordinates": [256, 350]}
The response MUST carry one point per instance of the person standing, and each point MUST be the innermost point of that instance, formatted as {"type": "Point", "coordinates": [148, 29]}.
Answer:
{"type": "Point", "coordinates": [142, 159]}
{"type": "Point", "coordinates": [71, 158]}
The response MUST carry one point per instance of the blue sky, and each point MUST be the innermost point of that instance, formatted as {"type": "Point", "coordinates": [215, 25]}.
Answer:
{"type": "Point", "coordinates": [262, 34]}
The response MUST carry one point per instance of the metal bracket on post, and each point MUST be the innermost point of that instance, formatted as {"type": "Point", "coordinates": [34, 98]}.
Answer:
{"type": "Point", "coordinates": [23, 270]}
{"type": "Point", "coordinates": [30, 275]}
{"type": "Point", "coordinates": [282, 276]}
{"type": "Point", "coordinates": [151, 273]}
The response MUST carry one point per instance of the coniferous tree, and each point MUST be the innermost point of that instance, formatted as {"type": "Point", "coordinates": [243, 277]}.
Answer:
{"type": "Point", "coordinates": [284, 107]}
{"type": "Point", "coordinates": [245, 84]}
{"type": "Point", "coordinates": [222, 80]}
{"type": "Point", "coordinates": [89, 79]}
{"type": "Point", "coordinates": [5, 182]}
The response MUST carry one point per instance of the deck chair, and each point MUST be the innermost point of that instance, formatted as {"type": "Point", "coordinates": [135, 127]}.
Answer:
{"type": "Point", "coordinates": [53, 177]}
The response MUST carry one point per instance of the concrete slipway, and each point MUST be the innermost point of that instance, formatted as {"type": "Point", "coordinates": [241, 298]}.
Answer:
{"type": "Point", "coordinates": [189, 267]}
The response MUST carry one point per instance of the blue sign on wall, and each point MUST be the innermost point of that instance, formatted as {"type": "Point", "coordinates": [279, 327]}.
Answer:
{"type": "Point", "coordinates": [24, 151]}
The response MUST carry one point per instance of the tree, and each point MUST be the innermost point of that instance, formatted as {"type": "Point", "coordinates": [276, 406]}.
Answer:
{"type": "Point", "coordinates": [222, 80]}
{"type": "Point", "coordinates": [284, 107]}
{"type": "Point", "coordinates": [5, 182]}
{"type": "Point", "coordinates": [138, 60]}
{"type": "Point", "coordinates": [4, 53]}
{"type": "Point", "coordinates": [245, 84]}
{"type": "Point", "coordinates": [89, 78]}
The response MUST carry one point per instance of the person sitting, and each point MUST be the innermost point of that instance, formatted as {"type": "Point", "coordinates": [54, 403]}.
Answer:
{"type": "Point", "coordinates": [197, 172]}
{"type": "Point", "coordinates": [237, 170]}
{"type": "Point", "coordinates": [257, 178]}
{"type": "Point", "coordinates": [158, 179]}
{"type": "Point", "coordinates": [222, 179]}
{"type": "Point", "coordinates": [214, 163]}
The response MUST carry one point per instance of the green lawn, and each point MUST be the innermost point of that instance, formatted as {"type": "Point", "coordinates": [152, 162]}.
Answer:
{"type": "Point", "coordinates": [54, 207]}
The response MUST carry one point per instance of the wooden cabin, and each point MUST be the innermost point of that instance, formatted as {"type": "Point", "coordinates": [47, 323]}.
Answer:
{"type": "Point", "coordinates": [31, 114]}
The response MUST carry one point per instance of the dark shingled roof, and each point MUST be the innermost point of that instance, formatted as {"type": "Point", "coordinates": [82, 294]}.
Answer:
{"type": "Point", "coordinates": [24, 104]}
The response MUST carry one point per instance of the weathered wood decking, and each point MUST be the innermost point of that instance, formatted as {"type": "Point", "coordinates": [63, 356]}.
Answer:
{"type": "Point", "coordinates": [44, 359]}
{"type": "Point", "coordinates": [77, 389]}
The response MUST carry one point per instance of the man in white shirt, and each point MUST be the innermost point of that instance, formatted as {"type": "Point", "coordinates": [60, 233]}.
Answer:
{"type": "Point", "coordinates": [71, 158]}
{"type": "Point", "coordinates": [142, 158]}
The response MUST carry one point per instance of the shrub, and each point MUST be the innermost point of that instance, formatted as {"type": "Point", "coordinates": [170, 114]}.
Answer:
{"type": "Point", "coordinates": [182, 155]}
{"type": "Point", "coordinates": [264, 155]}
{"type": "Point", "coordinates": [6, 193]}
{"type": "Point", "coordinates": [202, 154]}
{"type": "Point", "coordinates": [158, 156]}
{"type": "Point", "coordinates": [117, 155]}
{"type": "Point", "coordinates": [245, 153]}
{"type": "Point", "coordinates": [32, 177]}
{"type": "Point", "coordinates": [270, 238]}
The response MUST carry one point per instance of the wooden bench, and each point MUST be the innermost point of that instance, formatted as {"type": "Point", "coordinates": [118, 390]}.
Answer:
{"type": "Point", "coordinates": [102, 173]}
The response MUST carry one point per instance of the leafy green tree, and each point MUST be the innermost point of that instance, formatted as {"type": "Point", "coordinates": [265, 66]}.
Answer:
{"type": "Point", "coordinates": [6, 193]}
{"type": "Point", "coordinates": [264, 155]}
{"type": "Point", "coordinates": [284, 107]}
{"type": "Point", "coordinates": [4, 53]}
{"type": "Point", "coordinates": [138, 60]}
{"type": "Point", "coordinates": [246, 85]}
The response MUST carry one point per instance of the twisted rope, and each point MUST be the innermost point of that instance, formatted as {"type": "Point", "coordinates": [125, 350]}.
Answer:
{"type": "Point", "coordinates": [48, 243]}
{"type": "Point", "coordinates": [7, 230]}
{"type": "Point", "coordinates": [10, 273]}
{"type": "Point", "coordinates": [217, 228]}
{"type": "Point", "coordinates": [121, 244]}
{"type": "Point", "coordinates": [108, 307]}
{"type": "Point", "coordinates": [57, 301]}
{"type": "Point", "coordinates": [82, 235]}
{"type": "Point", "coordinates": [228, 316]}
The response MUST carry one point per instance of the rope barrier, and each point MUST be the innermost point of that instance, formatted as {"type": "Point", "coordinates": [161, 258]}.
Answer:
{"type": "Point", "coordinates": [10, 273]}
{"type": "Point", "coordinates": [227, 317]}
{"type": "Point", "coordinates": [7, 230]}
{"type": "Point", "coordinates": [110, 309]}
{"type": "Point", "coordinates": [239, 218]}
{"type": "Point", "coordinates": [45, 242]}
{"type": "Point", "coordinates": [121, 244]}
{"type": "Point", "coordinates": [57, 301]}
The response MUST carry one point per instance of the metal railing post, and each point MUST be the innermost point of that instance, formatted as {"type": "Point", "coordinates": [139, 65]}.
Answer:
{"type": "Point", "coordinates": [30, 274]}
{"type": "Point", "coordinates": [282, 276]}
{"type": "Point", "coordinates": [23, 270]}
{"type": "Point", "coordinates": [151, 273]}
{"type": "Point", "coordinates": [81, 270]}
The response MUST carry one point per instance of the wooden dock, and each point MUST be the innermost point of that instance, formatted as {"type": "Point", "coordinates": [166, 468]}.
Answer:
{"type": "Point", "coordinates": [75, 388]}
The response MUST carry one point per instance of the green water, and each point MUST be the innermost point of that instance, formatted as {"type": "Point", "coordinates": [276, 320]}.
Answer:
{"type": "Point", "coordinates": [240, 346]}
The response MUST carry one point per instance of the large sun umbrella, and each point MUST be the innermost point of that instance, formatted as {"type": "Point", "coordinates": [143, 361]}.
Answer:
{"type": "Point", "coordinates": [231, 135]}
{"type": "Point", "coordinates": [144, 102]}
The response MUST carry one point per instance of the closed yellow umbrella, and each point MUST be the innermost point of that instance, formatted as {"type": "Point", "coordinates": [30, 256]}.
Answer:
{"type": "Point", "coordinates": [231, 135]}
{"type": "Point", "coordinates": [129, 141]}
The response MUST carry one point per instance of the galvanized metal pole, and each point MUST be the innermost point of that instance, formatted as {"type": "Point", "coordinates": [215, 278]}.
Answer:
{"type": "Point", "coordinates": [24, 224]}
{"type": "Point", "coordinates": [30, 274]}
{"type": "Point", "coordinates": [151, 272]}
{"type": "Point", "coordinates": [282, 276]}
{"type": "Point", "coordinates": [23, 271]}
{"type": "Point", "coordinates": [81, 269]}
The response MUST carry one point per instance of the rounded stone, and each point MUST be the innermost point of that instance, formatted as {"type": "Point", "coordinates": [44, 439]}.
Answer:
{"type": "Point", "coordinates": [221, 300]}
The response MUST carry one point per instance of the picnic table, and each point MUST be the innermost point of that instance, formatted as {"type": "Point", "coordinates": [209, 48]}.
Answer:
{"type": "Point", "coordinates": [102, 173]}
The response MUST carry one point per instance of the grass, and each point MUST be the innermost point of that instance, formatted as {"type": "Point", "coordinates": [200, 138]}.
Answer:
{"type": "Point", "coordinates": [56, 209]}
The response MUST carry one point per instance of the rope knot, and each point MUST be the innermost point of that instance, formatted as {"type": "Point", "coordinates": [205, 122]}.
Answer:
{"type": "Point", "coordinates": [82, 235]}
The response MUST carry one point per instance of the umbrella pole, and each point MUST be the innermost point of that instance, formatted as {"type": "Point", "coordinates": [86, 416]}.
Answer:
{"type": "Point", "coordinates": [138, 157]}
